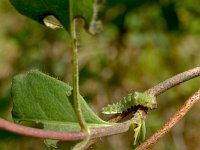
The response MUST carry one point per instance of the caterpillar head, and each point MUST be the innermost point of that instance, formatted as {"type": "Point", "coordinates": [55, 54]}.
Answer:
{"type": "Point", "coordinates": [145, 100]}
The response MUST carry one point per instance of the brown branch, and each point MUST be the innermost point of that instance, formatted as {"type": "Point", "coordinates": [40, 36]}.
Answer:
{"type": "Point", "coordinates": [172, 121]}
{"type": "Point", "coordinates": [174, 81]}
{"type": "Point", "coordinates": [64, 136]}
{"type": "Point", "coordinates": [164, 86]}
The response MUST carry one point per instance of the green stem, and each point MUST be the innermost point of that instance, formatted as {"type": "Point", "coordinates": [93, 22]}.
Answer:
{"type": "Point", "coordinates": [75, 75]}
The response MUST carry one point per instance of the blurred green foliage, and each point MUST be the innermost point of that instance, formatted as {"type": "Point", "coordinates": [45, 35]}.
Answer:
{"type": "Point", "coordinates": [143, 43]}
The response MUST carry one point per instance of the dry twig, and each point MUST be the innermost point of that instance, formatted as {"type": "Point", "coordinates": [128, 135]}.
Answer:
{"type": "Point", "coordinates": [172, 121]}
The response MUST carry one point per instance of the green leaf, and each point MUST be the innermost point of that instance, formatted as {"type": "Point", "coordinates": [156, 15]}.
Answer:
{"type": "Point", "coordinates": [40, 98]}
{"type": "Point", "coordinates": [142, 132]}
{"type": "Point", "coordinates": [138, 126]}
{"type": "Point", "coordinates": [39, 9]}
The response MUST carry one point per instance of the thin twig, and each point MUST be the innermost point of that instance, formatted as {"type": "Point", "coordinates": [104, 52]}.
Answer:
{"type": "Point", "coordinates": [172, 121]}
{"type": "Point", "coordinates": [174, 81]}
{"type": "Point", "coordinates": [164, 86]}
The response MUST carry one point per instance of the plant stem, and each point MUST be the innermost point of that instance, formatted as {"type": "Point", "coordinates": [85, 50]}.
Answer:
{"type": "Point", "coordinates": [75, 77]}
{"type": "Point", "coordinates": [172, 121]}
{"type": "Point", "coordinates": [63, 136]}
{"type": "Point", "coordinates": [75, 74]}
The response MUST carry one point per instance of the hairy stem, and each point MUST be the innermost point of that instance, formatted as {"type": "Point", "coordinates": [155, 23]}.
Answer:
{"type": "Point", "coordinates": [172, 121]}
{"type": "Point", "coordinates": [75, 75]}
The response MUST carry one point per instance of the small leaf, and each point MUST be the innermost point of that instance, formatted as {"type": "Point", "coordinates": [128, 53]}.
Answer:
{"type": "Point", "coordinates": [39, 9]}
{"type": "Point", "coordinates": [40, 98]}
{"type": "Point", "coordinates": [138, 127]}
{"type": "Point", "coordinates": [142, 132]}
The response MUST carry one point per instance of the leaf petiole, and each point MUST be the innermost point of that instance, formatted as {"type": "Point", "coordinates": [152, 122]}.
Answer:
{"type": "Point", "coordinates": [75, 76]}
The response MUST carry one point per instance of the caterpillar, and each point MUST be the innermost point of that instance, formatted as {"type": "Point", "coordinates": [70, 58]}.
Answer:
{"type": "Point", "coordinates": [131, 100]}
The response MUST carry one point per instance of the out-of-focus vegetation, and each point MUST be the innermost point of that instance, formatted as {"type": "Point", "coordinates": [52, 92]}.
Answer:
{"type": "Point", "coordinates": [143, 43]}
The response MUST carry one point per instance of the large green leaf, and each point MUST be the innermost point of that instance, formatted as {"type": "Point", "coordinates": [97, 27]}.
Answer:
{"type": "Point", "coordinates": [40, 98]}
{"type": "Point", "coordinates": [39, 9]}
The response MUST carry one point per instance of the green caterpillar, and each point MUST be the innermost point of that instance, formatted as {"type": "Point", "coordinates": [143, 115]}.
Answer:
{"type": "Point", "coordinates": [131, 100]}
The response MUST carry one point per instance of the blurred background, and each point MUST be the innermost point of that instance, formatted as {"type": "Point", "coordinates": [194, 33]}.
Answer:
{"type": "Point", "coordinates": [143, 43]}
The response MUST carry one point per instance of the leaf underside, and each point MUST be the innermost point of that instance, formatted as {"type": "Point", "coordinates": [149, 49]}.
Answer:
{"type": "Point", "coordinates": [39, 9]}
{"type": "Point", "coordinates": [40, 98]}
